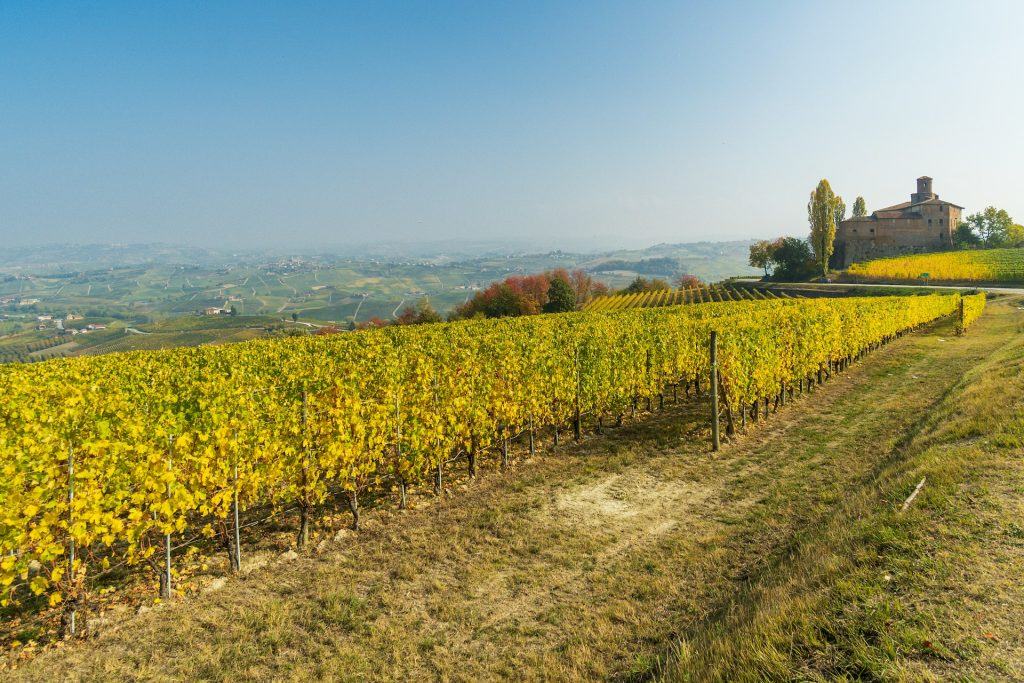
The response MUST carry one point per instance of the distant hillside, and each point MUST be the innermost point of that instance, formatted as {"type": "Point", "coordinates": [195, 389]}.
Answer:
{"type": "Point", "coordinates": [140, 284]}
{"type": "Point", "coordinates": [710, 261]}
{"type": "Point", "coordinates": [57, 258]}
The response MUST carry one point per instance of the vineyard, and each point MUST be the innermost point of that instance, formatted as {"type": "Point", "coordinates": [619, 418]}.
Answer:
{"type": "Point", "coordinates": [112, 460]}
{"type": "Point", "coordinates": [675, 297]}
{"type": "Point", "coordinates": [971, 308]}
{"type": "Point", "coordinates": [988, 265]}
{"type": "Point", "coordinates": [28, 352]}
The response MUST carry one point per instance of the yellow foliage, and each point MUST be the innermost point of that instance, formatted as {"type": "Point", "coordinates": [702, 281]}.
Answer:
{"type": "Point", "coordinates": [984, 265]}
{"type": "Point", "coordinates": [161, 441]}
{"type": "Point", "coordinates": [972, 306]}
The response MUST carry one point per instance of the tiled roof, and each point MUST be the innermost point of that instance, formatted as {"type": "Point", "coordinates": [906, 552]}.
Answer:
{"type": "Point", "coordinates": [895, 207]}
{"type": "Point", "coordinates": [938, 201]}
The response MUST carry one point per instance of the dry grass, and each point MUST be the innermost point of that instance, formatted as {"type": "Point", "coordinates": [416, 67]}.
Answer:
{"type": "Point", "coordinates": [591, 563]}
{"type": "Point", "coordinates": [870, 593]}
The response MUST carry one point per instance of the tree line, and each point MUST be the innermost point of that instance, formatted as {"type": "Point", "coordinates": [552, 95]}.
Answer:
{"type": "Point", "coordinates": [553, 291]}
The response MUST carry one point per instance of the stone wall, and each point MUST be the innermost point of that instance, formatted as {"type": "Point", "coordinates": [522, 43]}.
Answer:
{"type": "Point", "coordinates": [863, 239]}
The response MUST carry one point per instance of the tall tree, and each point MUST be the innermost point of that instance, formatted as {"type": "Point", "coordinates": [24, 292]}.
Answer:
{"type": "Point", "coordinates": [860, 209]}
{"type": "Point", "coordinates": [583, 283]}
{"type": "Point", "coordinates": [792, 259]}
{"type": "Point", "coordinates": [964, 237]}
{"type": "Point", "coordinates": [762, 253]}
{"type": "Point", "coordinates": [1015, 235]}
{"type": "Point", "coordinates": [561, 296]}
{"type": "Point", "coordinates": [821, 214]}
{"type": "Point", "coordinates": [992, 225]}
{"type": "Point", "coordinates": [687, 281]}
{"type": "Point", "coordinates": [839, 209]}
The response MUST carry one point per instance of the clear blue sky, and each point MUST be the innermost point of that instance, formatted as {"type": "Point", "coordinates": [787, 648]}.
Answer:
{"type": "Point", "coordinates": [575, 123]}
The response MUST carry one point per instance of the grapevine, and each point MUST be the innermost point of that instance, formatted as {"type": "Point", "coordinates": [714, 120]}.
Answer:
{"type": "Point", "coordinates": [162, 442]}
{"type": "Point", "coordinates": [986, 265]}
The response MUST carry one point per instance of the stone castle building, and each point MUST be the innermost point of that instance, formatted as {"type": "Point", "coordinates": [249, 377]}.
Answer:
{"type": "Point", "coordinates": [925, 223]}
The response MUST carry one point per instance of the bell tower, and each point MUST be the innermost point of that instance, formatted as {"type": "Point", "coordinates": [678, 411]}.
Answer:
{"type": "Point", "coordinates": [924, 191]}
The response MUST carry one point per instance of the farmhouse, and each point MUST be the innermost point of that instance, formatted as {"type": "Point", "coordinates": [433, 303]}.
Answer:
{"type": "Point", "coordinates": [925, 223]}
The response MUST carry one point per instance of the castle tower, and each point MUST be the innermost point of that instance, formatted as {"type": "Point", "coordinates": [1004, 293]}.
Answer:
{"type": "Point", "coordinates": [924, 191]}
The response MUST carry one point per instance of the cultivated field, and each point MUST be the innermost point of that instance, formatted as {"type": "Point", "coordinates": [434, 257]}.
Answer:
{"type": "Point", "coordinates": [110, 458]}
{"type": "Point", "coordinates": [676, 297]}
{"type": "Point", "coordinates": [984, 265]}
{"type": "Point", "coordinates": [639, 555]}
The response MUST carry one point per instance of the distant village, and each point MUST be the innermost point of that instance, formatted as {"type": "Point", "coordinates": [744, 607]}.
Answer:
{"type": "Point", "coordinates": [46, 321]}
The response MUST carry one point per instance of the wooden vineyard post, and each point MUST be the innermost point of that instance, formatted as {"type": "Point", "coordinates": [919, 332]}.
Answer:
{"type": "Point", "coordinates": [471, 456]}
{"type": "Point", "coordinates": [70, 624]}
{"type": "Point", "coordinates": [303, 505]}
{"type": "Point", "coordinates": [576, 427]}
{"type": "Point", "coordinates": [403, 502]}
{"type": "Point", "coordinates": [647, 375]}
{"type": "Point", "coordinates": [715, 443]}
{"type": "Point", "coordinates": [236, 556]}
{"type": "Point", "coordinates": [961, 328]}
{"type": "Point", "coordinates": [166, 593]}
{"type": "Point", "coordinates": [533, 447]}
{"type": "Point", "coordinates": [437, 446]}
{"type": "Point", "coordinates": [554, 412]}
{"type": "Point", "coordinates": [353, 507]}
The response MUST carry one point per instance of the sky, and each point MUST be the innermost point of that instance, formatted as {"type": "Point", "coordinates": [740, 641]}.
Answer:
{"type": "Point", "coordinates": [559, 123]}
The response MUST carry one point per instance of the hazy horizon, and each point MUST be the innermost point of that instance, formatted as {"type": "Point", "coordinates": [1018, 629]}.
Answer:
{"type": "Point", "coordinates": [611, 124]}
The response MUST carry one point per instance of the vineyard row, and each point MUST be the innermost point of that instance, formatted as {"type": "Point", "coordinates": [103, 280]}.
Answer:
{"type": "Point", "coordinates": [979, 265]}
{"type": "Point", "coordinates": [685, 295]}
{"type": "Point", "coordinates": [107, 458]}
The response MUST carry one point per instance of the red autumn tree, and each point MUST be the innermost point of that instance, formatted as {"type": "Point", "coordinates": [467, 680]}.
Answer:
{"type": "Point", "coordinates": [688, 282]}
{"type": "Point", "coordinates": [552, 291]}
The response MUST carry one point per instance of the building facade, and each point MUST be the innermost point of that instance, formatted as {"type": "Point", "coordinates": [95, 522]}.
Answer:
{"type": "Point", "coordinates": [925, 223]}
